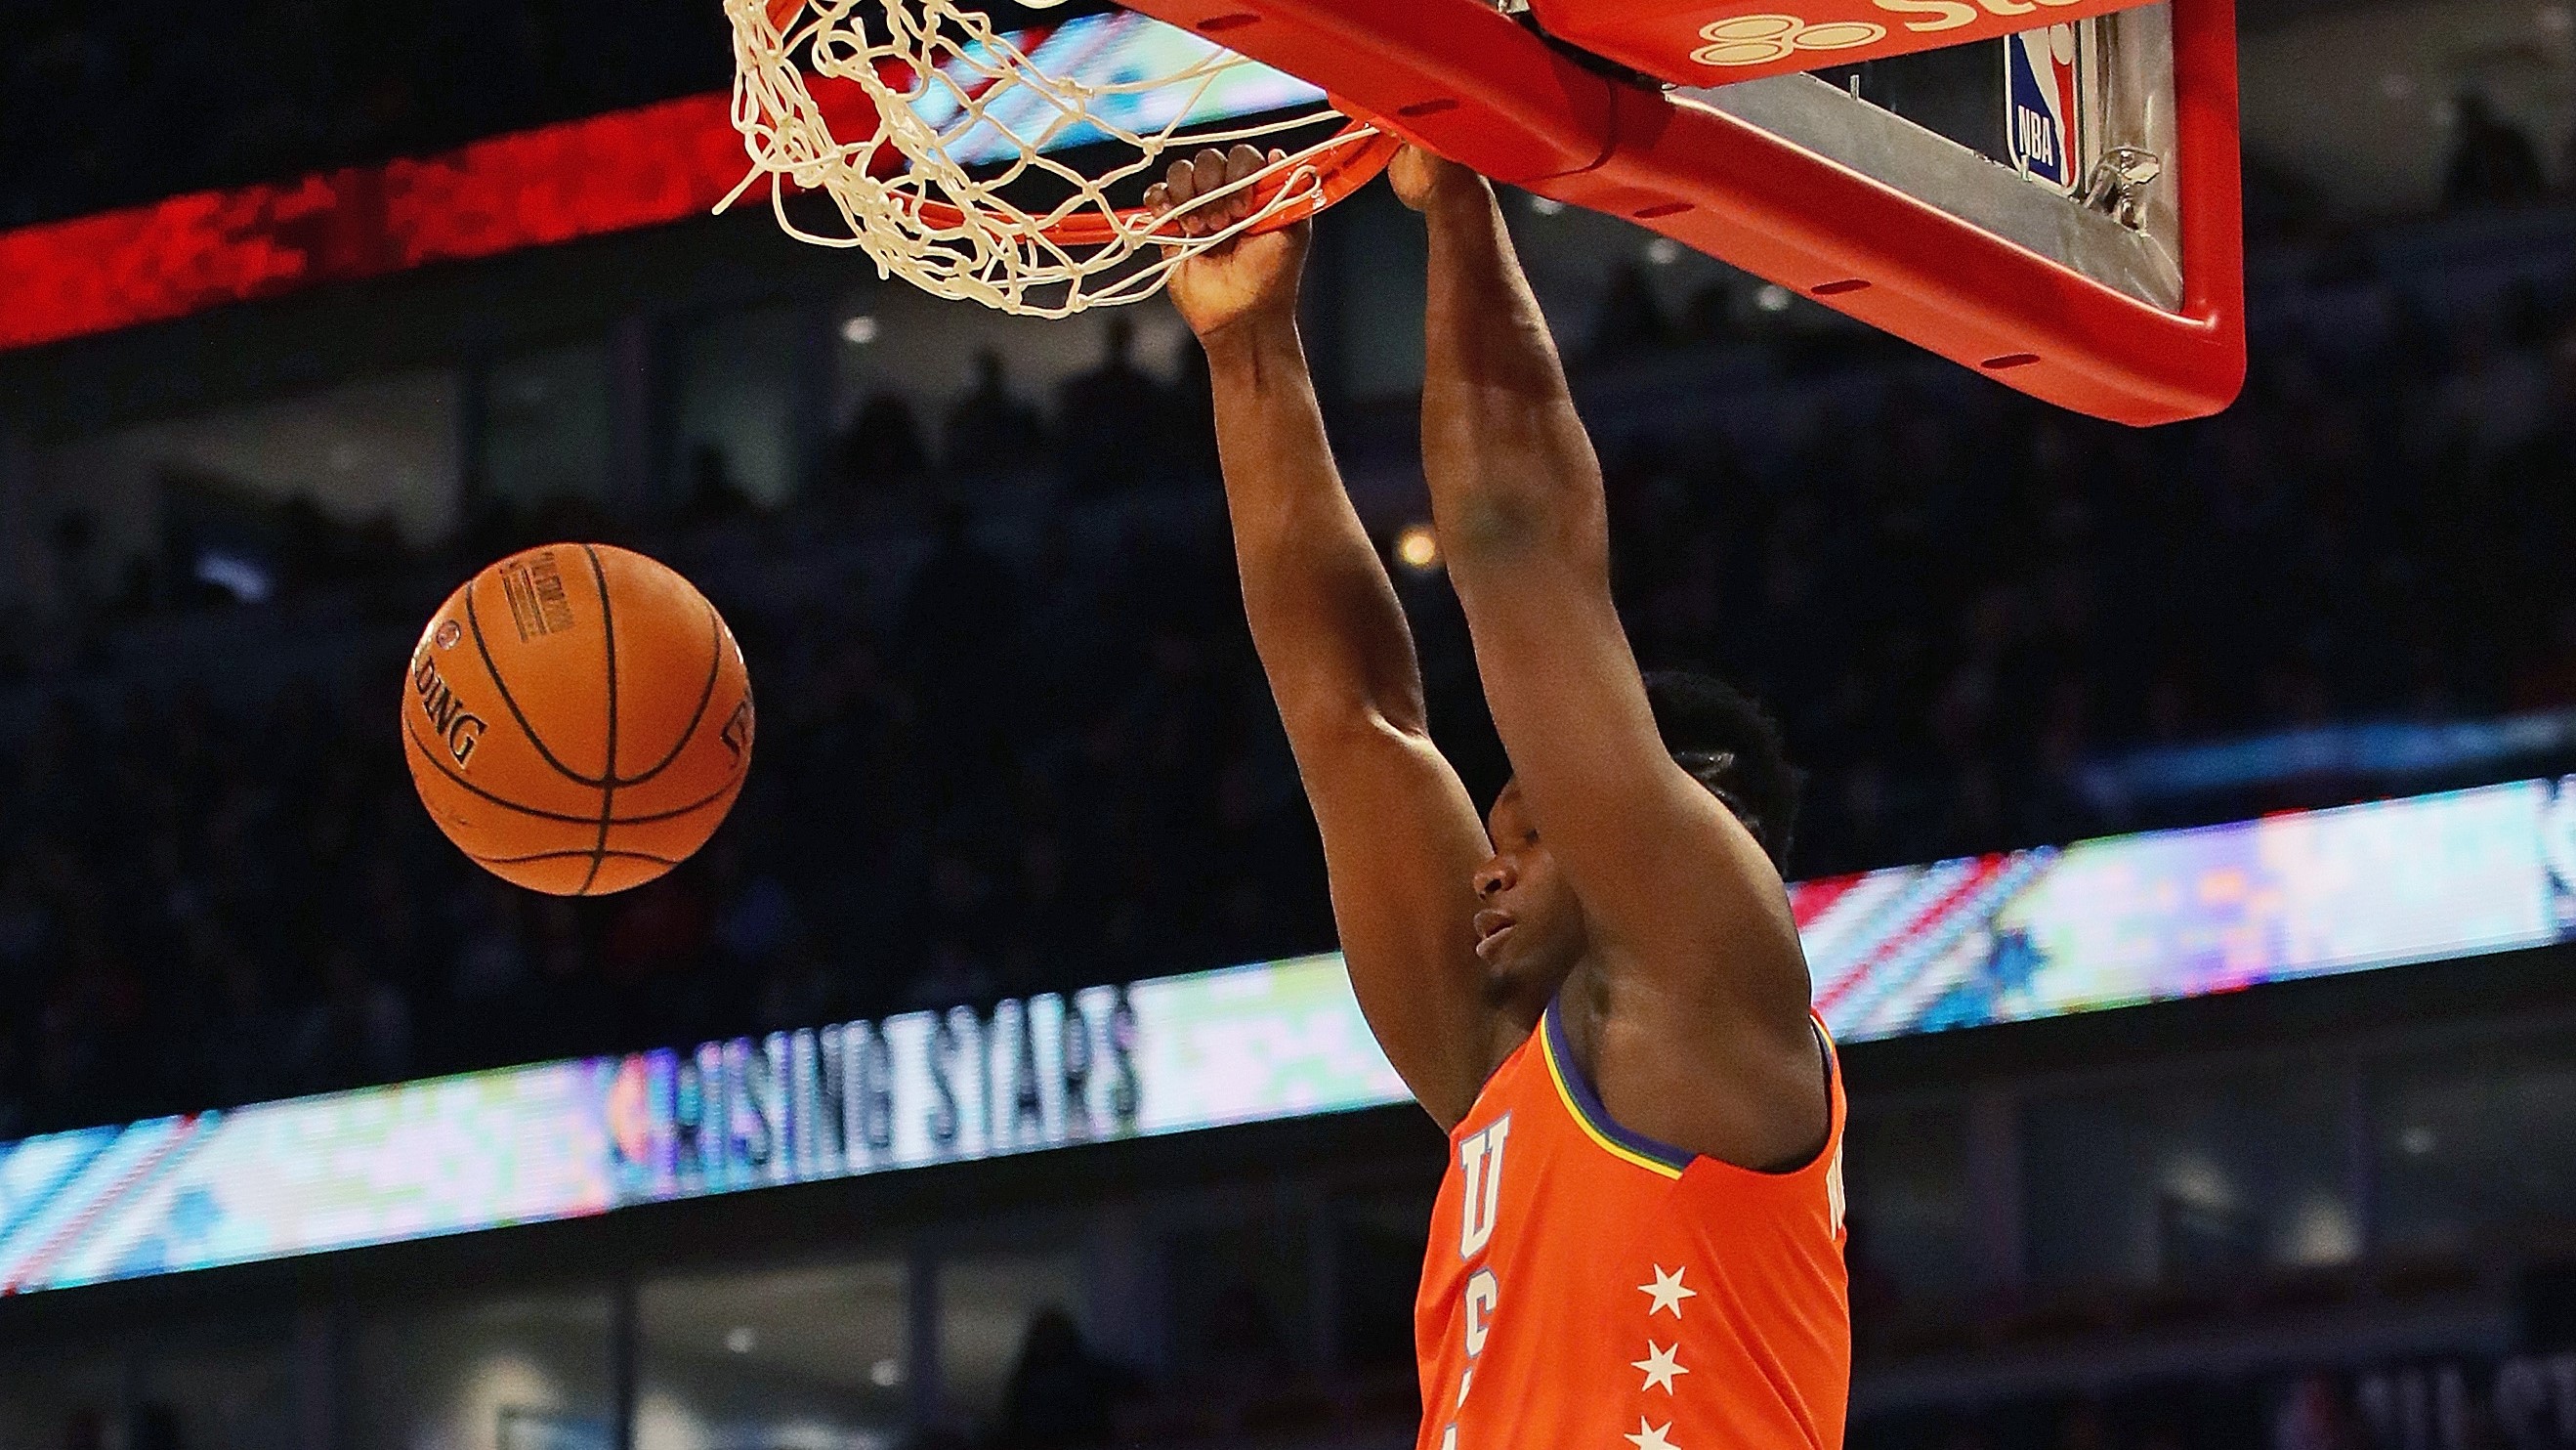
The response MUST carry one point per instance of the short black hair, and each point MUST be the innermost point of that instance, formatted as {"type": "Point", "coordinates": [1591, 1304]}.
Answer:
{"type": "Point", "coordinates": [1730, 744]}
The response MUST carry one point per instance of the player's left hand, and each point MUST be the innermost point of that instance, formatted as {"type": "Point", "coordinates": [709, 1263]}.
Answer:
{"type": "Point", "coordinates": [1190, 189]}
{"type": "Point", "coordinates": [1253, 275]}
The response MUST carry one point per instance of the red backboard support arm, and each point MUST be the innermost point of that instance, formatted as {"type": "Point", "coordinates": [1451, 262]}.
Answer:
{"type": "Point", "coordinates": [1483, 90]}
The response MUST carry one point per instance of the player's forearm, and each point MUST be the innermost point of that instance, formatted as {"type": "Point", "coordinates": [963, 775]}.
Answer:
{"type": "Point", "coordinates": [1510, 467]}
{"type": "Point", "coordinates": [1324, 615]}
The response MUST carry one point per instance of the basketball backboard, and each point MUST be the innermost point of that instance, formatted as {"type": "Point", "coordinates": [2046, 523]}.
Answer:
{"type": "Point", "coordinates": [2110, 281]}
{"type": "Point", "coordinates": [2086, 249]}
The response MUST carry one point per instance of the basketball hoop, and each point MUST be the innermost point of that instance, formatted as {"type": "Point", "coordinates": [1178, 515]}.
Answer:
{"type": "Point", "coordinates": [1009, 168]}
{"type": "Point", "coordinates": [2100, 267]}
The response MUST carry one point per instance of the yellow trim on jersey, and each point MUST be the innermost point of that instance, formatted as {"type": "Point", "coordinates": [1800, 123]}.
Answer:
{"type": "Point", "coordinates": [1574, 1109]}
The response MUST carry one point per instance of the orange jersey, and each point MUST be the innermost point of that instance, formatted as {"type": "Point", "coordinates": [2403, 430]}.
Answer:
{"type": "Point", "coordinates": [1588, 1288]}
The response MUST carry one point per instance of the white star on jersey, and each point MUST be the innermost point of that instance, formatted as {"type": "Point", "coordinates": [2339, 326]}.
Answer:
{"type": "Point", "coordinates": [1667, 1292]}
{"type": "Point", "coordinates": [1660, 1366]}
{"type": "Point", "coordinates": [1651, 1437]}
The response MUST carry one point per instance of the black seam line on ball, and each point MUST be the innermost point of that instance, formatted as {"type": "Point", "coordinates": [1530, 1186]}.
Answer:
{"type": "Point", "coordinates": [474, 621]}
{"type": "Point", "coordinates": [572, 855]}
{"type": "Point", "coordinates": [449, 772]}
{"type": "Point", "coordinates": [607, 787]}
{"type": "Point", "coordinates": [697, 717]}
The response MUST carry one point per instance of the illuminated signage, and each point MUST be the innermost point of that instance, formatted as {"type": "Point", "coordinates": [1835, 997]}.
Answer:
{"type": "Point", "coordinates": [536, 188]}
{"type": "Point", "coordinates": [1170, 1055]}
{"type": "Point", "coordinates": [1911, 949]}
{"type": "Point", "coordinates": [567, 1139]}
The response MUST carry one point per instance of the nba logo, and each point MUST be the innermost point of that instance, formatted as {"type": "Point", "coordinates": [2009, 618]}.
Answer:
{"type": "Point", "coordinates": [2041, 95]}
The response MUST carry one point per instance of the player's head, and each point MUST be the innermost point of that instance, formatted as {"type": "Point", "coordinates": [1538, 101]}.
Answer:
{"type": "Point", "coordinates": [1731, 745]}
{"type": "Point", "coordinates": [1531, 930]}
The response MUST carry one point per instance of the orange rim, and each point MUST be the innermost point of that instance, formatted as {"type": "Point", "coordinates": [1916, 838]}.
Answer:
{"type": "Point", "coordinates": [1352, 158]}
{"type": "Point", "coordinates": [1353, 163]}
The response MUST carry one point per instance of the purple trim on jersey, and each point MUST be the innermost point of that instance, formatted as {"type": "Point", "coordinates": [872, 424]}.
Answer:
{"type": "Point", "coordinates": [1588, 1103]}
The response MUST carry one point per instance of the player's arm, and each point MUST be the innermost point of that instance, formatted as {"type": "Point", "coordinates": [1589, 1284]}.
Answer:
{"type": "Point", "coordinates": [1401, 838]}
{"type": "Point", "coordinates": [1686, 912]}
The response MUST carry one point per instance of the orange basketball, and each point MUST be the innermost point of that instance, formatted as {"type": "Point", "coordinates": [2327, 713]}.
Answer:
{"type": "Point", "coordinates": [577, 718]}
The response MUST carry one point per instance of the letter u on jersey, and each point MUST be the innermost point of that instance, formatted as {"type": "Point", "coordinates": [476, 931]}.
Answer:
{"type": "Point", "coordinates": [1480, 1169]}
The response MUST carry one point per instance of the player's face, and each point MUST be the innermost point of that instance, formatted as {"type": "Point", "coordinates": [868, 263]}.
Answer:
{"type": "Point", "coordinates": [1530, 931]}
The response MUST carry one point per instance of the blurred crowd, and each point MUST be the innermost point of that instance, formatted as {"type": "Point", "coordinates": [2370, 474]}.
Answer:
{"type": "Point", "coordinates": [2438, 1404]}
{"type": "Point", "coordinates": [1026, 777]}
{"type": "Point", "coordinates": [1029, 746]}
{"type": "Point", "coordinates": [1064, 1394]}
{"type": "Point", "coordinates": [1960, 604]}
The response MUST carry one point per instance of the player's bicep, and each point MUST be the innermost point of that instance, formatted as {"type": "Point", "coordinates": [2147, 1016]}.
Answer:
{"type": "Point", "coordinates": [1669, 879]}
{"type": "Point", "coordinates": [1402, 842]}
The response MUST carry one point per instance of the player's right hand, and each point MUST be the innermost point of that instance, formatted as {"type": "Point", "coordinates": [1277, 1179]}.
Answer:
{"type": "Point", "coordinates": [1421, 178]}
{"type": "Point", "coordinates": [1248, 277]}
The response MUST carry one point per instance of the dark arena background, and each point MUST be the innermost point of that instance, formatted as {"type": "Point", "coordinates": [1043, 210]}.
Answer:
{"type": "Point", "coordinates": [2188, 868]}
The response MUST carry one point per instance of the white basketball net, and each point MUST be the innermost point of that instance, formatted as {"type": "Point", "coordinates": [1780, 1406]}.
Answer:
{"type": "Point", "coordinates": [963, 121]}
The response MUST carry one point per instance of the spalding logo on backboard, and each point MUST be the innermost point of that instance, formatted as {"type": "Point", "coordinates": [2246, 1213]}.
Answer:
{"type": "Point", "coordinates": [2043, 122]}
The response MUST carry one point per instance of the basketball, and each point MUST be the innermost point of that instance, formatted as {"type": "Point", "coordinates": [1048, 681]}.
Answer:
{"type": "Point", "coordinates": [577, 719]}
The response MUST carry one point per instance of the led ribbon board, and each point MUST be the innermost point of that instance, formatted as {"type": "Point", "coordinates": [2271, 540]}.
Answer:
{"type": "Point", "coordinates": [610, 173]}
{"type": "Point", "coordinates": [1953, 944]}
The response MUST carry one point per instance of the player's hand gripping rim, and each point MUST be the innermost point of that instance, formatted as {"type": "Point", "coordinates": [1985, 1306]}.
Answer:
{"type": "Point", "coordinates": [1211, 192]}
